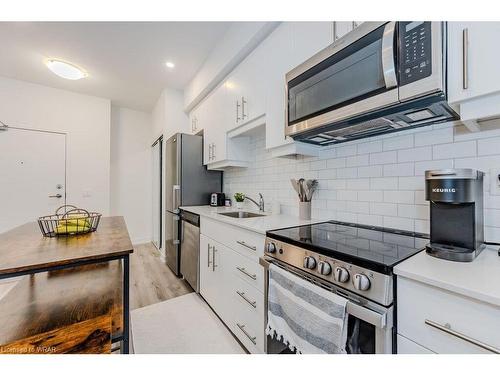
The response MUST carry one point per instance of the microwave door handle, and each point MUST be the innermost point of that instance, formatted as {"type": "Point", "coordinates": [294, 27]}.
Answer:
{"type": "Point", "coordinates": [388, 64]}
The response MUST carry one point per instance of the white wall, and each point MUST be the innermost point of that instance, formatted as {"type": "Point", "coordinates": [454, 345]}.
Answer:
{"type": "Point", "coordinates": [376, 181]}
{"type": "Point", "coordinates": [86, 121]}
{"type": "Point", "coordinates": [131, 134]}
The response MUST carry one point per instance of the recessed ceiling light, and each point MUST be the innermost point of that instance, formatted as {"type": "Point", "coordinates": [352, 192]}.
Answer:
{"type": "Point", "coordinates": [65, 70]}
{"type": "Point", "coordinates": [170, 65]}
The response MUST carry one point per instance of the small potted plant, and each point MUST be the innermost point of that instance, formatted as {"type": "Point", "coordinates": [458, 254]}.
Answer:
{"type": "Point", "coordinates": [239, 198]}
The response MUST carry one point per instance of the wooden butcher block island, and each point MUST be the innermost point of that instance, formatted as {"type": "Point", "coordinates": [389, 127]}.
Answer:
{"type": "Point", "coordinates": [69, 294]}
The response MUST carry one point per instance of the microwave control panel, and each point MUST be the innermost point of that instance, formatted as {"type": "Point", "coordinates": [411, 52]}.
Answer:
{"type": "Point", "coordinates": [415, 46]}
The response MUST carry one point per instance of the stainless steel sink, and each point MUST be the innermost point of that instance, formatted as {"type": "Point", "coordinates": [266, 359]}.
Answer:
{"type": "Point", "coordinates": [241, 214]}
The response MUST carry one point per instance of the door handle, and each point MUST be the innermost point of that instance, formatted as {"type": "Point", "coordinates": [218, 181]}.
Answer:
{"type": "Point", "coordinates": [55, 196]}
{"type": "Point", "coordinates": [465, 58]}
{"type": "Point", "coordinates": [243, 296]}
{"type": "Point", "coordinates": [238, 111]}
{"type": "Point", "coordinates": [243, 243]}
{"type": "Point", "coordinates": [213, 258]}
{"type": "Point", "coordinates": [208, 257]}
{"type": "Point", "coordinates": [243, 102]}
{"type": "Point", "coordinates": [253, 339]}
{"type": "Point", "coordinates": [446, 328]}
{"type": "Point", "coordinates": [388, 65]}
{"type": "Point", "coordinates": [175, 189]}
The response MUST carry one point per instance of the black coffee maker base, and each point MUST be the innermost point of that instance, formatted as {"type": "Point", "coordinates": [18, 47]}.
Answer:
{"type": "Point", "coordinates": [456, 254]}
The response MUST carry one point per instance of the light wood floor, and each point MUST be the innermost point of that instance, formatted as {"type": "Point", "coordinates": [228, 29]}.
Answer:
{"type": "Point", "coordinates": [151, 281]}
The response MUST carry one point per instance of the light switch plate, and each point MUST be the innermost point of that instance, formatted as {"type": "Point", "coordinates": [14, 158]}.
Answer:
{"type": "Point", "coordinates": [495, 181]}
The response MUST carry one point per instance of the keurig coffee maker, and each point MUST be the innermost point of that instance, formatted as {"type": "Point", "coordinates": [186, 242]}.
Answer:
{"type": "Point", "coordinates": [456, 213]}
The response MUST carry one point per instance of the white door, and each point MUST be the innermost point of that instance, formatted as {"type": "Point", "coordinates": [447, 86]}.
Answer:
{"type": "Point", "coordinates": [32, 175]}
{"type": "Point", "coordinates": [157, 191]}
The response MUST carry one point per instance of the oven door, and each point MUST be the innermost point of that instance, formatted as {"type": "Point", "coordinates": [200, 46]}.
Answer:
{"type": "Point", "coordinates": [355, 75]}
{"type": "Point", "coordinates": [370, 326]}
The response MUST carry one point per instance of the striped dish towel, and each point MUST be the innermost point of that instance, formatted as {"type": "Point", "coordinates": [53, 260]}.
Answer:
{"type": "Point", "coordinates": [304, 316]}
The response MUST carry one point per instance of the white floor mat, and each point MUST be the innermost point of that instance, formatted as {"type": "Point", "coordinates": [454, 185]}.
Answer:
{"type": "Point", "coordinates": [182, 325]}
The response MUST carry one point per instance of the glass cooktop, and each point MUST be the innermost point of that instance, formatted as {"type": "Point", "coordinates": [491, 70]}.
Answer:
{"type": "Point", "coordinates": [375, 248]}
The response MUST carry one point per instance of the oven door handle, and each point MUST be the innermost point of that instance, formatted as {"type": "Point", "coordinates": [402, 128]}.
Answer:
{"type": "Point", "coordinates": [388, 64]}
{"type": "Point", "coordinates": [379, 320]}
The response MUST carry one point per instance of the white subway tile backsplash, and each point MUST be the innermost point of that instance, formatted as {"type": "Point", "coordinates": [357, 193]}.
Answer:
{"type": "Point", "coordinates": [387, 157]}
{"type": "Point", "coordinates": [402, 169]}
{"type": "Point", "coordinates": [357, 161]}
{"type": "Point", "coordinates": [346, 150]}
{"type": "Point", "coordinates": [347, 195]}
{"type": "Point", "coordinates": [371, 196]}
{"type": "Point", "coordinates": [411, 183]}
{"type": "Point", "coordinates": [399, 223]}
{"type": "Point", "coordinates": [347, 172]}
{"type": "Point", "coordinates": [413, 211]}
{"type": "Point", "coordinates": [375, 181]}
{"type": "Point", "coordinates": [454, 150]}
{"type": "Point", "coordinates": [358, 184]}
{"type": "Point", "coordinates": [384, 209]}
{"type": "Point", "coordinates": [434, 137]}
{"type": "Point", "coordinates": [384, 183]}
{"type": "Point", "coordinates": [370, 147]}
{"type": "Point", "coordinates": [371, 171]}
{"type": "Point", "coordinates": [488, 146]}
{"type": "Point", "coordinates": [398, 196]}
{"type": "Point", "coordinates": [422, 166]}
{"type": "Point", "coordinates": [399, 142]}
{"type": "Point", "coordinates": [415, 154]}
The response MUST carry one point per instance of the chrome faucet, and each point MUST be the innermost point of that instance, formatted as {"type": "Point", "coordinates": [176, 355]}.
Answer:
{"type": "Point", "coordinates": [260, 204]}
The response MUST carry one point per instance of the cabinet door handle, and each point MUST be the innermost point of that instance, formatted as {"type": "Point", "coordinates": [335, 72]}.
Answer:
{"type": "Point", "coordinates": [243, 102]}
{"type": "Point", "coordinates": [447, 329]}
{"type": "Point", "coordinates": [243, 243]}
{"type": "Point", "coordinates": [251, 303]}
{"type": "Point", "coordinates": [238, 111]}
{"type": "Point", "coordinates": [214, 151]}
{"type": "Point", "coordinates": [253, 339]}
{"type": "Point", "coordinates": [208, 257]}
{"type": "Point", "coordinates": [213, 258]}
{"type": "Point", "coordinates": [335, 37]}
{"type": "Point", "coordinates": [465, 58]}
{"type": "Point", "coordinates": [244, 271]}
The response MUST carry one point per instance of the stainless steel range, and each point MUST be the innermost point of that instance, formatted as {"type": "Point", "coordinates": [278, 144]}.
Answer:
{"type": "Point", "coordinates": [354, 261]}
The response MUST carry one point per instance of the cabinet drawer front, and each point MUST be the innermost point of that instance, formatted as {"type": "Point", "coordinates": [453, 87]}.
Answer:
{"type": "Point", "coordinates": [445, 322]}
{"type": "Point", "coordinates": [248, 270]}
{"type": "Point", "coordinates": [245, 242]}
{"type": "Point", "coordinates": [406, 346]}
{"type": "Point", "coordinates": [247, 299]}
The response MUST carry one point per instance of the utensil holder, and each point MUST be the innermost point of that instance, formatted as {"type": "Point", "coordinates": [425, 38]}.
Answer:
{"type": "Point", "coordinates": [305, 210]}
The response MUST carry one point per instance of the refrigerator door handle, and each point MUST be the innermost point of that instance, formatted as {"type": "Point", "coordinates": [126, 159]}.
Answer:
{"type": "Point", "coordinates": [175, 198]}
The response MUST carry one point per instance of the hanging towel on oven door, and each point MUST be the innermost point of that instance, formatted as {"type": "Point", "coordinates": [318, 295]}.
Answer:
{"type": "Point", "coordinates": [304, 316]}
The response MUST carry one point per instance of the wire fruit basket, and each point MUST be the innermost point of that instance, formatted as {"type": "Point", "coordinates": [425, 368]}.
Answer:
{"type": "Point", "coordinates": [69, 220]}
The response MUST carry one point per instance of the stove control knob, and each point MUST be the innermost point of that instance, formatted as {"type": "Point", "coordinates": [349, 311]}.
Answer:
{"type": "Point", "coordinates": [324, 268]}
{"type": "Point", "coordinates": [341, 275]}
{"type": "Point", "coordinates": [361, 282]}
{"type": "Point", "coordinates": [309, 262]}
{"type": "Point", "coordinates": [271, 247]}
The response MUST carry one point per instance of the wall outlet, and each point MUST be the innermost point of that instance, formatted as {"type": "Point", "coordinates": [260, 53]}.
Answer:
{"type": "Point", "coordinates": [495, 181]}
{"type": "Point", "coordinates": [87, 194]}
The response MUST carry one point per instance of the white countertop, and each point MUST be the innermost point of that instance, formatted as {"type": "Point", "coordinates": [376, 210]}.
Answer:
{"type": "Point", "coordinates": [479, 279]}
{"type": "Point", "coordinates": [256, 224]}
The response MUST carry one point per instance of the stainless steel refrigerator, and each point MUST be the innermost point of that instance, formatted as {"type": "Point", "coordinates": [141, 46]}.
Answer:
{"type": "Point", "coordinates": [187, 183]}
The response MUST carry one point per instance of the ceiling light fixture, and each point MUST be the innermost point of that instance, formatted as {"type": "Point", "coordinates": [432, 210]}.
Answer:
{"type": "Point", "coordinates": [170, 65]}
{"type": "Point", "coordinates": [65, 70]}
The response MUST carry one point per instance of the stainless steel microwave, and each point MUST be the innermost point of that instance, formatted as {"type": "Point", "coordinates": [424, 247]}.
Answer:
{"type": "Point", "coordinates": [381, 77]}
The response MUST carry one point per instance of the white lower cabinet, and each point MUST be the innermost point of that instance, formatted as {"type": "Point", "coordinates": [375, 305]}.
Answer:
{"type": "Point", "coordinates": [406, 346]}
{"type": "Point", "coordinates": [444, 322]}
{"type": "Point", "coordinates": [232, 281]}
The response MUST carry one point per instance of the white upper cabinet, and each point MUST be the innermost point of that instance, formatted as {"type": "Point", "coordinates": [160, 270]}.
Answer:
{"type": "Point", "coordinates": [246, 90]}
{"type": "Point", "coordinates": [472, 60]}
{"type": "Point", "coordinates": [288, 46]}
{"type": "Point", "coordinates": [218, 150]}
{"type": "Point", "coordinates": [195, 126]}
